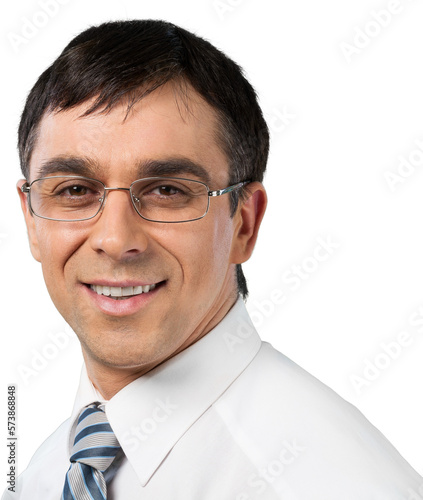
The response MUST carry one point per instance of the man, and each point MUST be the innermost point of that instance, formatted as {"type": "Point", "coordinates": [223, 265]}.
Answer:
{"type": "Point", "coordinates": [143, 150]}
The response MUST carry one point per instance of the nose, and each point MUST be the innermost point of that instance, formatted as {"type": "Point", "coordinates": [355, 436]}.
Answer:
{"type": "Point", "coordinates": [119, 231]}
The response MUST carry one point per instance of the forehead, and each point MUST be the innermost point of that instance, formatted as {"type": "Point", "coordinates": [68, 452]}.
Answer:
{"type": "Point", "coordinates": [162, 128]}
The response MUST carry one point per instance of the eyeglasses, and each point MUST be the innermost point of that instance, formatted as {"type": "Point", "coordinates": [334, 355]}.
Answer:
{"type": "Point", "coordinates": [70, 198]}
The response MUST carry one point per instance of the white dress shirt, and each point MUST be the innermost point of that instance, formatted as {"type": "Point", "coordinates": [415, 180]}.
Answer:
{"type": "Point", "coordinates": [230, 418]}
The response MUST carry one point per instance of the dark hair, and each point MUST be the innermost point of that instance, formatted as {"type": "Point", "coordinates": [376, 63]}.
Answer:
{"type": "Point", "coordinates": [127, 60]}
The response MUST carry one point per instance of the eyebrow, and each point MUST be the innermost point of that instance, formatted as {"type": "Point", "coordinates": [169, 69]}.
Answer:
{"type": "Point", "coordinates": [173, 166]}
{"type": "Point", "coordinates": [68, 165]}
{"type": "Point", "coordinates": [146, 168]}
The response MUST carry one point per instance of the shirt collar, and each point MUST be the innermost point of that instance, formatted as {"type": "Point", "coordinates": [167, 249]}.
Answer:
{"type": "Point", "coordinates": [85, 395]}
{"type": "Point", "coordinates": [152, 413]}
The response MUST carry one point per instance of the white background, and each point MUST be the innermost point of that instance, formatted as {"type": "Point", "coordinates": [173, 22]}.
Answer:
{"type": "Point", "coordinates": [338, 125]}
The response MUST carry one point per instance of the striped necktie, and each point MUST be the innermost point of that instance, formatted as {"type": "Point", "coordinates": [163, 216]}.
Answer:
{"type": "Point", "coordinates": [94, 449]}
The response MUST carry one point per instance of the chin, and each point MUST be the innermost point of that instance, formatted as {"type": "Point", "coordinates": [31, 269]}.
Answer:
{"type": "Point", "coordinates": [124, 357]}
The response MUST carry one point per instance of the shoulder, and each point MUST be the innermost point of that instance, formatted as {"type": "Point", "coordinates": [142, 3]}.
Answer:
{"type": "Point", "coordinates": [273, 381]}
{"type": "Point", "coordinates": [287, 420]}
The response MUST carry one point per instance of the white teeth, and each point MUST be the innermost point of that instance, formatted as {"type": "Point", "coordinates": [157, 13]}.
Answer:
{"type": "Point", "coordinates": [127, 291]}
{"type": "Point", "coordinates": [117, 291]}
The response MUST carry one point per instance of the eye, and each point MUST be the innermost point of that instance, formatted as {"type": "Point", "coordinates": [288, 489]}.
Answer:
{"type": "Point", "coordinates": [72, 190]}
{"type": "Point", "coordinates": [165, 190]}
{"type": "Point", "coordinates": [75, 190]}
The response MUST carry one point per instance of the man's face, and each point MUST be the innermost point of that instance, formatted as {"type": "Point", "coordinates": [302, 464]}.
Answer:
{"type": "Point", "coordinates": [191, 263]}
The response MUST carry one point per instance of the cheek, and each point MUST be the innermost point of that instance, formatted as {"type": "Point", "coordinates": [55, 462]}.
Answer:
{"type": "Point", "coordinates": [57, 244]}
{"type": "Point", "coordinates": [203, 251]}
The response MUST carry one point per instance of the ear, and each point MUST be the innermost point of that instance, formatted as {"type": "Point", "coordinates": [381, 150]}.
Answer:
{"type": "Point", "coordinates": [30, 222]}
{"type": "Point", "coordinates": [248, 219]}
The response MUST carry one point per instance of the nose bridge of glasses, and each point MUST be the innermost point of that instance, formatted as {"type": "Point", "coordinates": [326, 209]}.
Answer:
{"type": "Point", "coordinates": [116, 189]}
{"type": "Point", "coordinates": [107, 189]}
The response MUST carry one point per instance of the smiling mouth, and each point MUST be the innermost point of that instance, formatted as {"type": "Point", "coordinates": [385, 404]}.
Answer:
{"type": "Point", "coordinates": [122, 293]}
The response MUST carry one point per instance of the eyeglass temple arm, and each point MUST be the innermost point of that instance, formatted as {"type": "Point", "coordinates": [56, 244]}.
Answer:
{"type": "Point", "coordinates": [25, 188]}
{"type": "Point", "coordinates": [219, 192]}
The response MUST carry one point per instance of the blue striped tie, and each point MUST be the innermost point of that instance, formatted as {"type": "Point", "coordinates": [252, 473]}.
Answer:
{"type": "Point", "coordinates": [94, 449]}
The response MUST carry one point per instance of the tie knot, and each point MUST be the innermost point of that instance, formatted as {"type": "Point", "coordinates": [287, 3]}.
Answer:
{"type": "Point", "coordinates": [95, 443]}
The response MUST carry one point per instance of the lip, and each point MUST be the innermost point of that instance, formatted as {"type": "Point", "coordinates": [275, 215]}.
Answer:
{"type": "Point", "coordinates": [121, 284]}
{"type": "Point", "coordinates": [120, 308]}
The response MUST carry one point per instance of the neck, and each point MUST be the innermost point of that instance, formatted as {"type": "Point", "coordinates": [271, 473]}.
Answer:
{"type": "Point", "coordinates": [109, 379]}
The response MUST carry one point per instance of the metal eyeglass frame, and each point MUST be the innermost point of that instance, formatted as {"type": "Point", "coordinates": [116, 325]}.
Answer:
{"type": "Point", "coordinates": [26, 188]}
